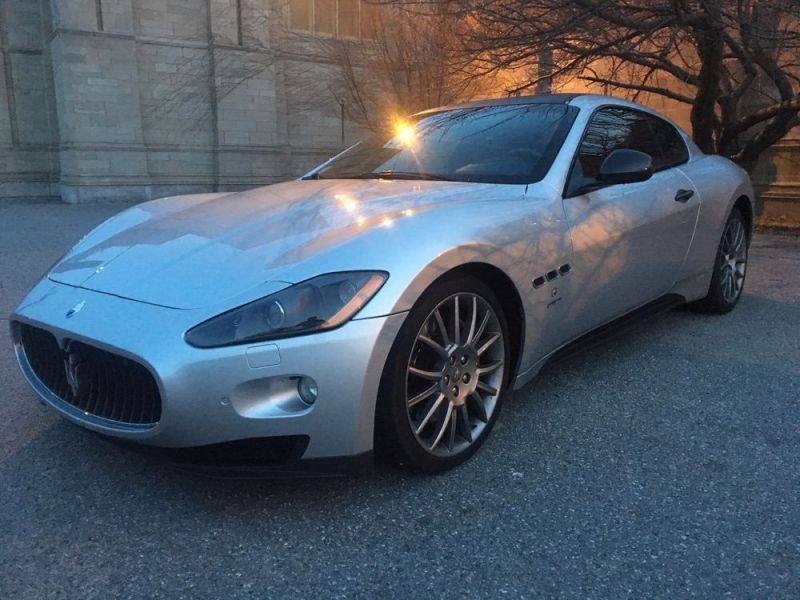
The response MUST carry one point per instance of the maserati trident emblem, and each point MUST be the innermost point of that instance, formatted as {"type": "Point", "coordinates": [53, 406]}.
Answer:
{"type": "Point", "coordinates": [72, 365]}
{"type": "Point", "coordinates": [76, 309]}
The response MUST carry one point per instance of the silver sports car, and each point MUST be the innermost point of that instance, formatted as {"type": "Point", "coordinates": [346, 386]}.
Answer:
{"type": "Point", "coordinates": [389, 299]}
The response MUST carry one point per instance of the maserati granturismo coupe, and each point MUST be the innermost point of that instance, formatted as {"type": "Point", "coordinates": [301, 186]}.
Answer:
{"type": "Point", "coordinates": [389, 299]}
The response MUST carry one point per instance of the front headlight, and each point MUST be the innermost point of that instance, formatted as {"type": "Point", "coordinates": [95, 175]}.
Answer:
{"type": "Point", "coordinates": [318, 304]}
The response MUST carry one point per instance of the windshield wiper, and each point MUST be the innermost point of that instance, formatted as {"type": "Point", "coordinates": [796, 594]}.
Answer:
{"type": "Point", "coordinates": [389, 174]}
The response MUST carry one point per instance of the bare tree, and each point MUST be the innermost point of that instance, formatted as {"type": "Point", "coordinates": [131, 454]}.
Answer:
{"type": "Point", "coordinates": [734, 63]}
{"type": "Point", "coordinates": [406, 68]}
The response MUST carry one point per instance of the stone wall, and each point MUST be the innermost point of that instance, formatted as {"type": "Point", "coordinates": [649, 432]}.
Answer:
{"type": "Point", "coordinates": [777, 182]}
{"type": "Point", "coordinates": [128, 99]}
{"type": "Point", "coordinates": [29, 165]}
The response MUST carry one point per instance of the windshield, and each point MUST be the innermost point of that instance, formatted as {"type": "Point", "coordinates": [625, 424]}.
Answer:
{"type": "Point", "coordinates": [512, 143]}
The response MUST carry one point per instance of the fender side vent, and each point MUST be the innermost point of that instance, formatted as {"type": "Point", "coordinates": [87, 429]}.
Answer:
{"type": "Point", "coordinates": [551, 275]}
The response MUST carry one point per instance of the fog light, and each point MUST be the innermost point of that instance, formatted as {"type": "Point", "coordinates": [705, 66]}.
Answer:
{"type": "Point", "coordinates": [307, 388]}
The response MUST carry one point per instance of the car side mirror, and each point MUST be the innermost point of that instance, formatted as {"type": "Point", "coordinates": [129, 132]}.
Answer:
{"type": "Point", "coordinates": [626, 166]}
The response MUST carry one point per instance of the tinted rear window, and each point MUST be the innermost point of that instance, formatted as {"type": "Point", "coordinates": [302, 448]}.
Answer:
{"type": "Point", "coordinates": [673, 148]}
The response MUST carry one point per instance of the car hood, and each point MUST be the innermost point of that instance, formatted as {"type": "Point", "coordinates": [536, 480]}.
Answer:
{"type": "Point", "coordinates": [195, 251]}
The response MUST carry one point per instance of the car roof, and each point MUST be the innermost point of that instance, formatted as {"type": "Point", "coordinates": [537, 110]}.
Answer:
{"type": "Point", "coordinates": [579, 100]}
{"type": "Point", "coordinates": [535, 99]}
{"type": "Point", "coordinates": [584, 100]}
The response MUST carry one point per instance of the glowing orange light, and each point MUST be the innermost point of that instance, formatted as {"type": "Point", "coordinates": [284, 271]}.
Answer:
{"type": "Point", "coordinates": [387, 222]}
{"type": "Point", "coordinates": [405, 133]}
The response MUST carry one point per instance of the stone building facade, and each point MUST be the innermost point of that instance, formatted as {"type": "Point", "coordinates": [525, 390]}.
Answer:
{"type": "Point", "coordinates": [136, 99]}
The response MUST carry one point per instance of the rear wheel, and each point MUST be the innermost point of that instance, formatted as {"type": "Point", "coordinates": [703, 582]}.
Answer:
{"type": "Point", "coordinates": [442, 386]}
{"type": "Point", "coordinates": [730, 267]}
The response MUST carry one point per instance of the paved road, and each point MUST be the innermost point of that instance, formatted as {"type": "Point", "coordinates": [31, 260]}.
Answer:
{"type": "Point", "coordinates": [665, 463]}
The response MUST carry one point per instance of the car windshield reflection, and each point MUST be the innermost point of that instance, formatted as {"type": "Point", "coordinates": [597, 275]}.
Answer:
{"type": "Point", "coordinates": [488, 144]}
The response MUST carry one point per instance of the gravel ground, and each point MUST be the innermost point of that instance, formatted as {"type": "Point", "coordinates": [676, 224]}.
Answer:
{"type": "Point", "coordinates": [664, 463]}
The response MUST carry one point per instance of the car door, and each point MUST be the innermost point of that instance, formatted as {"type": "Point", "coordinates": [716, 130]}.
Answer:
{"type": "Point", "coordinates": [629, 240]}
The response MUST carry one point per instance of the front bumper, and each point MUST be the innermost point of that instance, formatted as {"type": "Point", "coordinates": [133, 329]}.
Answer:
{"type": "Point", "coordinates": [211, 396]}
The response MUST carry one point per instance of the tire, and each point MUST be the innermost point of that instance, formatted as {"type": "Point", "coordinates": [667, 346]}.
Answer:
{"type": "Point", "coordinates": [730, 268]}
{"type": "Point", "coordinates": [427, 381]}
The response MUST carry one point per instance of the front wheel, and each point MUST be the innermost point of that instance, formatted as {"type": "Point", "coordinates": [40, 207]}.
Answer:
{"type": "Point", "coordinates": [730, 267]}
{"type": "Point", "coordinates": [441, 390]}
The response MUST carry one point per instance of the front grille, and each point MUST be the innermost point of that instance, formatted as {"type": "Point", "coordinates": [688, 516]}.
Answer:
{"type": "Point", "coordinates": [94, 381]}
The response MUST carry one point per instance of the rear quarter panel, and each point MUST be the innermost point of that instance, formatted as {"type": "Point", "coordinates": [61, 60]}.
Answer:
{"type": "Point", "coordinates": [720, 183]}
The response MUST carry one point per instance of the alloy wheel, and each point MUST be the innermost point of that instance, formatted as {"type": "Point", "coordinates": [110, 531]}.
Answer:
{"type": "Point", "coordinates": [733, 260]}
{"type": "Point", "coordinates": [455, 374]}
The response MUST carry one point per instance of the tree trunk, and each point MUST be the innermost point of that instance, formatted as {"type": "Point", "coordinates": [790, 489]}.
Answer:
{"type": "Point", "coordinates": [710, 51]}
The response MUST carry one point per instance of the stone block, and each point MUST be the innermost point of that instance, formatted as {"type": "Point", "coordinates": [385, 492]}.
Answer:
{"type": "Point", "coordinates": [118, 16]}
{"type": "Point", "coordinates": [25, 27]}
{"type": "Point", "coordinates": [74, 14]}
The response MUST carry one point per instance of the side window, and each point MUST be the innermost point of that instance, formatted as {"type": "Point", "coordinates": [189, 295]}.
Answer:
{"type": "Point", "coordinates": [673, 148]}
{"type": "Point", "coordinates": [611, 129]}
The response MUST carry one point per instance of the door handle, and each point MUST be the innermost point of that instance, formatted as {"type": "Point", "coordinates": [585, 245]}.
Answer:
{"type": "Point", "coordinates": [683, 195]}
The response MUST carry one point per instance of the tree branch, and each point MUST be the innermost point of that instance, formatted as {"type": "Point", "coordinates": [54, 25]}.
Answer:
{"type": "Point", "coordinates": [639, 87]}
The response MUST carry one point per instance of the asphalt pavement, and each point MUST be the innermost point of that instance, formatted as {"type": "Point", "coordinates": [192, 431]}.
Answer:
{"type": "Point", "coordinates": [664, 463]}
